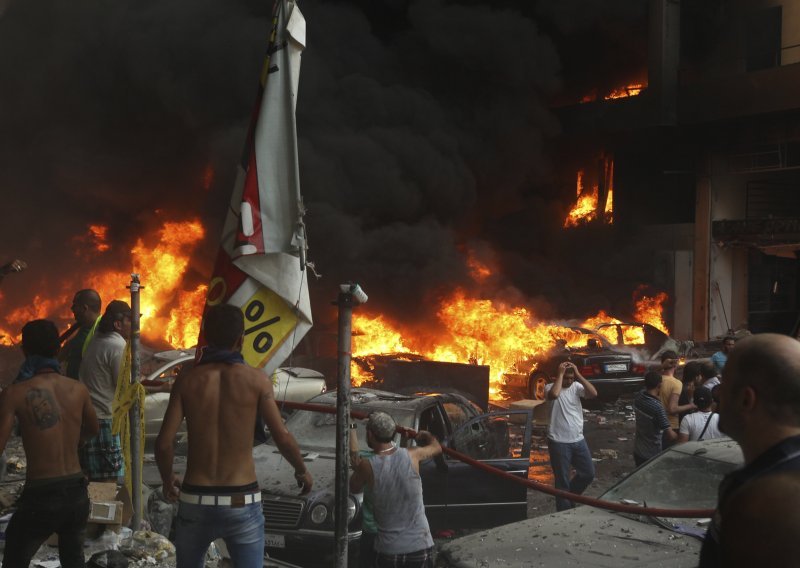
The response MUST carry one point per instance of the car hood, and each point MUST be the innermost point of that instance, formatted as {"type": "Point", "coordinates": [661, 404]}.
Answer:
{"type": "Point", "coordinates": [580, 537]}
{"type": "Point", "coordinates": [276, 475]}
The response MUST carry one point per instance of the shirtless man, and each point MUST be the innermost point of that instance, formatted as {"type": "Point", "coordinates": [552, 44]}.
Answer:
{"type": "Point", "coordinates": [54, 415]}
{"type": "Point", "coordinates": [220, 399]}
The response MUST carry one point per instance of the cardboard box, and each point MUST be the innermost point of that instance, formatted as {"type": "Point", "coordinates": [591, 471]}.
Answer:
{"type": "Point", "coordinates": [106, 512]}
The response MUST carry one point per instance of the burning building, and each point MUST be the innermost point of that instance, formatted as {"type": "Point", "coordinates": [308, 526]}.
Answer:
{"type": "Point", "coordinates": [705, 168]}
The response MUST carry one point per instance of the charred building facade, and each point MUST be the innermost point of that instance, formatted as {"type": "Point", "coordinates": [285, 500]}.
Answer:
{"type": "Point", "coordinates": [706, 161]}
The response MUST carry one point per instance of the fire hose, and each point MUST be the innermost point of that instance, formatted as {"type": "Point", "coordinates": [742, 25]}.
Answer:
{"type": "Point", "coordinates": [582, 499]}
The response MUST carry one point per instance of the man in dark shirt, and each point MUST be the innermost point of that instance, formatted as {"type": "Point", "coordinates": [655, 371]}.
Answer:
{"type": "Point", "coordinates": [86, 309]}
{"type": "Point", "coordinates": [760, 409]}
{"type": "Point", "coordinates": [651, 420]}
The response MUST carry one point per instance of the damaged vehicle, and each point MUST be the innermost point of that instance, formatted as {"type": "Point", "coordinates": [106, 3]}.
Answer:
{"type": "Point", "coordinates": [685, 476]}
{"type": "Point", "coordinates": [293, 384]}
{"type": "Point", "coordinates": [612, 371]}
{"type": "Point", "coordinates": [300, 528]}
{"type": "Point", "coordinates": [646, 341]}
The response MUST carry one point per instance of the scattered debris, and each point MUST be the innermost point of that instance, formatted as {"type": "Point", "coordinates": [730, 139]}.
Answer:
{"type": "Point", "coordinates": [610, 454]}
{"type": "Point", "coordinates": [108, 559]}
{"type": "Point", "coordinates": [6, 499]}
{"type": "Point", "coordinates": [15, 464]}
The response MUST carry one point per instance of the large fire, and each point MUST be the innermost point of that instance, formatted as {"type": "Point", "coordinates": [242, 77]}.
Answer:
{"type": "Point", "coordinates": [169, 314]}
{"type": "Point", "coordinates": [483, 332]}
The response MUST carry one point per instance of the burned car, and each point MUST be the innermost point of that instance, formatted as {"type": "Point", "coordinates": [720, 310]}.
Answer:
{"type": "Point", "coordinates": [586, 536]}
{"type": "Point", "coordinates": [645, 341]}
{"type": "Point", "coordinates": [611, 371]}
{"type": "Point", "coordinates": [300, 528]}
{"type": "Point", "coordinates": [293, 384]}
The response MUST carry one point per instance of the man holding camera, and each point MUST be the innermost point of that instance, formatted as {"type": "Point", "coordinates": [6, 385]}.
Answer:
{"type": "Point", "coordinates": [565, 440]}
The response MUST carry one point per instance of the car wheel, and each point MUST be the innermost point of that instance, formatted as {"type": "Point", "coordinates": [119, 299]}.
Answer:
{"type": "Point", "coordinates": [536, 386]}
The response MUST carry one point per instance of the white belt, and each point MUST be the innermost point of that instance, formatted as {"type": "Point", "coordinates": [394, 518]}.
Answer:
{"type": "Point", "coordinates": [237, 500]}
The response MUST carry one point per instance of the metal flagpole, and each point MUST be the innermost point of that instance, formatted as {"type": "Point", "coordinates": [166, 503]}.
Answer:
{"type": "Point", "coordinates": [348, 295]}
{"type": "Point", "coordinates": [136, 426]}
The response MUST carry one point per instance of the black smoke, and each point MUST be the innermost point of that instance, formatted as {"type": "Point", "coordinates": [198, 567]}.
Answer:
{"type": "Point", "coordinates": [423, 132]}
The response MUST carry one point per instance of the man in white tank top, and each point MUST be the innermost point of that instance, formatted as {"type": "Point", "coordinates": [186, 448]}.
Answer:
{"type": "Point", "coordinates": [392, 474]}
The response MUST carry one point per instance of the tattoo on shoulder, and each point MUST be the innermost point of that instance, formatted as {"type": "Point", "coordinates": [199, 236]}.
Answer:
{"type": "Point", "coordinates": [43, 407]}
{"type": "Point", "coordinates": [267, 395]}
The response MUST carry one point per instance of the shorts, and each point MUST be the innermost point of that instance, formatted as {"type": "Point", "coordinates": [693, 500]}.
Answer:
{"type": "Point", "coordinates": [101, 457]}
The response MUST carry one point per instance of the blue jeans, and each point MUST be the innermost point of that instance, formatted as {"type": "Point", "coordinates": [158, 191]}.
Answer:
{"type": "Point", "coordinates": [242, 529]}
{"type": "Point", "coordinates": [563, 457]}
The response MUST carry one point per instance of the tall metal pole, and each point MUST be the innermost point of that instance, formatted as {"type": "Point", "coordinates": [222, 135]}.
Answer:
{"type": "Point", "coordinates": [345, 303]}
{"type": "Point", "coordinates": [136, 426]}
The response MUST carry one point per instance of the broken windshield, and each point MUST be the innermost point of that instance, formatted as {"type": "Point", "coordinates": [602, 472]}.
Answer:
{"type": "Point", "coordinates": [674, 480]}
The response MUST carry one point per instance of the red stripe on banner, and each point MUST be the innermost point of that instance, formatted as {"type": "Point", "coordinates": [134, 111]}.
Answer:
{"type": "Point", "coordinates": [226, 279]}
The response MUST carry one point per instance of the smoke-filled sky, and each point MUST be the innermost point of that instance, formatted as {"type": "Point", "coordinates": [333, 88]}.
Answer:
{"type": "Point", "coordinates": [423, 128]}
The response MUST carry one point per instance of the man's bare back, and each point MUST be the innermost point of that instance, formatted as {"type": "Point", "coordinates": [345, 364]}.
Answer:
{"type": "Point", "coordinates": [55, 415]}
{"type": "Point", "coordinates": [220, 402]}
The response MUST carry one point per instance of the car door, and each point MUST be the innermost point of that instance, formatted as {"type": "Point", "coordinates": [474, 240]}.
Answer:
{"type": "Point", "coordinates": [476, 498]}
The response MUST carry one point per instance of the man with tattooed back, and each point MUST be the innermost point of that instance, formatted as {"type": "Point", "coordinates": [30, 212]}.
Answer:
{"type": "Point", "coordinates": [55, 415]}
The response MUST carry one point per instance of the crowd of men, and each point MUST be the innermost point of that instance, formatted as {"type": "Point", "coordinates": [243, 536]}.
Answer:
{"type": "Point", "coordinates": [750, 392]}
{"type": "Point", "coordinates": [66, 425]}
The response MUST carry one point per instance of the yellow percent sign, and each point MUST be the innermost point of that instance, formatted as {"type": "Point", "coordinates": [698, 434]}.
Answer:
{"type": "Point", "coordinates": [268, 321]}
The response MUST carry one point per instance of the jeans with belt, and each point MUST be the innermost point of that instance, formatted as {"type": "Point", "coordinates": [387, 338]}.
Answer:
{"type": "Point", "coordinates": [60, 507]}
{"type": "Point", "coordinates": [242, 529]}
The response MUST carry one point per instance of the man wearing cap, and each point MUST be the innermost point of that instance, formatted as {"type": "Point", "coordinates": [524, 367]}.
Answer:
{"type": "Point", "coordinates": [101, 457]}
{"type": "Point", "coordinates": [392, 478]}
{"type": "Point", "coordinates": [219, 495]}
{"type": "Point", "coordinates": [701, 425]}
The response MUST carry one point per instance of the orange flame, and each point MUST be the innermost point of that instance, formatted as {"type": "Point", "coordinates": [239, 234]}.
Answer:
{"type": "Point", "coordinates": [98, 234]}
{"type": "Point", "coordinates": [585, 208]}
{"type": "Point", "coordinates": [478, 270]}
{"type": "Point", "coordinates": [475, 331]}
{"type": "Point", "coordinates": [631, 90]}
{"type": "Point", "coordinates": [168, 313]}
{"type": "Point", "coordinates": [650, 310]}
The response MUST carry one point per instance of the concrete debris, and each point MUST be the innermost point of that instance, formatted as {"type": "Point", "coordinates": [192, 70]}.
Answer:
{"type": "Point", "coordinates": [6, 499]}
{"type": "Point", "coordinates": [160, 513]}
{"type": "Point", "coordinates": [146, 544]}
{"type": "Point", "coordinates": [15, 464]}
{"type": "Point", "coordinates": [108, 559]}
{"type": "Point", "coordinates": [611, 454]}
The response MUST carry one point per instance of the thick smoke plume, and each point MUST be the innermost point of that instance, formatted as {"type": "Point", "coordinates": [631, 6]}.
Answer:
{"type": "Point", "coordinates": [422, 125]}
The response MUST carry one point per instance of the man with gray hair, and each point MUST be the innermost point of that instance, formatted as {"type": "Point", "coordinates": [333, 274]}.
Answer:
{"type": "Point", "coordinates": [758, 514]}
{"type": "Point", "coordinates": [391, 478]}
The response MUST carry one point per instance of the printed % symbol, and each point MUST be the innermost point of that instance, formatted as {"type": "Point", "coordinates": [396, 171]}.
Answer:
{"type": "Point", "coordinates": [253, 313]}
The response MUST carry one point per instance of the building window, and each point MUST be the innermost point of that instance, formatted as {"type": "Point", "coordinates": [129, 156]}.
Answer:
{"type": "Point", "coordinates": [763, 39]}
